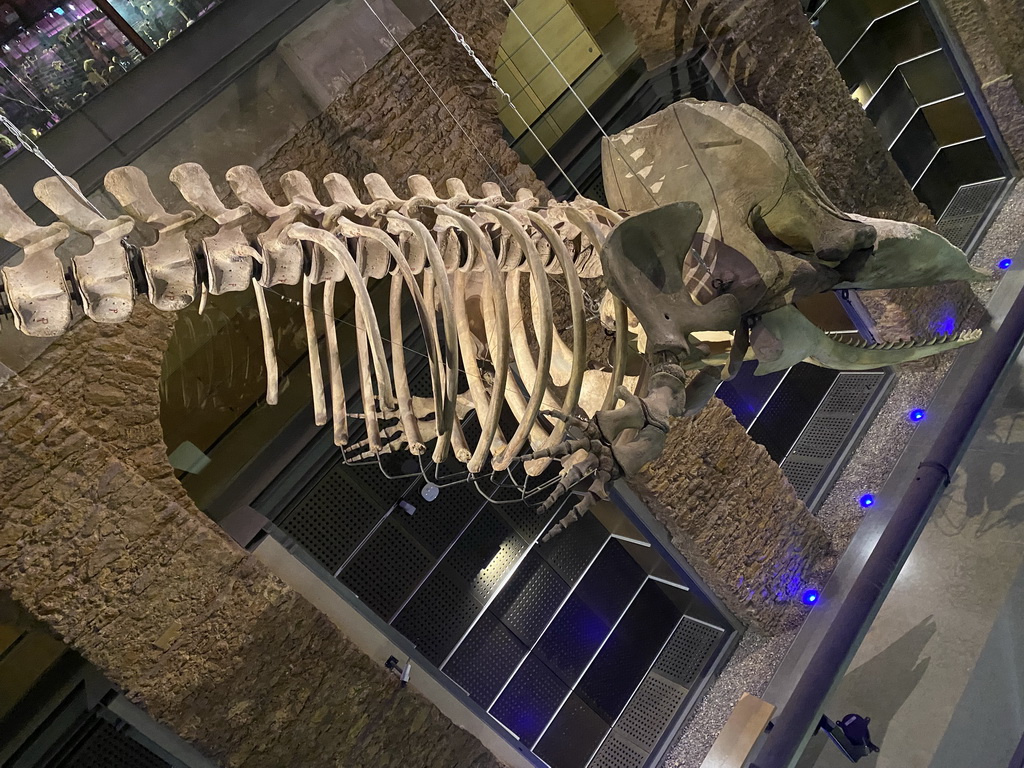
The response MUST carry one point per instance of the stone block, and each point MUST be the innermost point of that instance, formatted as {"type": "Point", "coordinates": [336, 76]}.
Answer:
{"type": "Point", "coordinates": [340, 43]}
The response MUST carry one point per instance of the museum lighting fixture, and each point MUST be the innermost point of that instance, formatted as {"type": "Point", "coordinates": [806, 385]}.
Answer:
{"type": "Point", "coordinates": [867, 500]}
{"type": "Point", "coordinates": [916, 415]}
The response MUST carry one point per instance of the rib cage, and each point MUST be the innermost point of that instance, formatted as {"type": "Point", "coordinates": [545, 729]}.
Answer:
{"type": "Point", "coordinates": [438, 252]}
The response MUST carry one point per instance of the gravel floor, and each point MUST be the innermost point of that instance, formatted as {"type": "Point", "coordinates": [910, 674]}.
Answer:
{"type": "Point", "coordinates": [755, 661]}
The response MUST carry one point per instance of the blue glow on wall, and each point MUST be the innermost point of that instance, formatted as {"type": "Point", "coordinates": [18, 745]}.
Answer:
{"type": "Point", "coordinates": [945, 326]}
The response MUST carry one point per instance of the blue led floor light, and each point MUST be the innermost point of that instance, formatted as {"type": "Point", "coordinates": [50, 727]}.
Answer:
{"type": "Point", "coordinates": [810, 597]}
{"type": "Point", "coordinates": [867, 500]}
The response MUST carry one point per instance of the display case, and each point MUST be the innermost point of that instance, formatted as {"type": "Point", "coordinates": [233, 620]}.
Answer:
{"type": "Point", "coordinates": [55, 56]}
{"type": "Point", "coordinates": [158, 21]}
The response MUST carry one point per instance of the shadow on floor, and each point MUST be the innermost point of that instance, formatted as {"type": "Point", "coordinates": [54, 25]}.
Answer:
{"type": "Point", "coordinates": [878, 688]}
{"type": "Point", "coordinates": [991, 494]}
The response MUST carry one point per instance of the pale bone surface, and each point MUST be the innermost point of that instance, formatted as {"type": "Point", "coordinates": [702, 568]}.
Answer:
{"type": "Point", "coordinates": [720, 229]}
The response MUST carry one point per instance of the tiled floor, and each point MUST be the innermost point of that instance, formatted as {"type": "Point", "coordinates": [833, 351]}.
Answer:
{"type": "Point", "coordinates": [941, 669]}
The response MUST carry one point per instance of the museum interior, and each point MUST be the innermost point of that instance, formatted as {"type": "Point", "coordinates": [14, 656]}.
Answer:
{"type": "Point", "coordinates": [478, 383]}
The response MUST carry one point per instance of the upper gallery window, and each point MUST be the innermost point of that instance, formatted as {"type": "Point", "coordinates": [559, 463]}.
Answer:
{"type": "Point", "coordinates": [55, 56]}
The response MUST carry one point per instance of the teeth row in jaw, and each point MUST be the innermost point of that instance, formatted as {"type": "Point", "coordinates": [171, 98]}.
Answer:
{"type": "Point", "coordinates": [952, 338]}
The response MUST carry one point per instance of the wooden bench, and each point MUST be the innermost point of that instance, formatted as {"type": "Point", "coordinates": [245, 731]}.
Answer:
{"type": "Point", "coordinates": [749, 719]}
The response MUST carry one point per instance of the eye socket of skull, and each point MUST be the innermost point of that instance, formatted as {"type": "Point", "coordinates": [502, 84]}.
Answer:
{"type": "Point", "coordinates": [643, 264]}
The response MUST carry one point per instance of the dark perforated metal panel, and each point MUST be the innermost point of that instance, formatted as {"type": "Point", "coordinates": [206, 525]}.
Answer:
{"type": "Point", "coordinates": [573, 736]}
{"type": "Point", "coordinates": [419, 381]}
{"type": "Point", "coordinates": [486, 659]}
{"type": "Point", "coordinates": [611, 582]}
{"type": "Point", "coordinates": [435, 524]}
{"type": "Point", "coordinates": [485, 552]}
{"type": "Point", "coordinates": [829, 430]}
{"type": "Point", "coordinates": [804, 474]}
{"type": "Point", "coordinates": [966, 210]}
{"type": "Point", "coordinates": [528, 519]}
{"type": "Point", "coordinates": [333, 518]}
{"type": "Point", "coordinates": [530, 700]}
{"type": "Point", "coordinates": [386, 569]}
{"type": "Point", "coordinates": [572, 639]}
{"type": "Point", "coordinates": [438, 615]}
{"type": "Point", "coordinates": [597, 192]}
{"type": "Point", "coordinates": [383, 488]}
{"type": "Point", "coordinates": [958, 229]}
{"type": "Point", "coordinates": [616, 752]}
{"type": "Point", "coordinates": [687, 651]}
{"type": "Point", "coordinates": [571, 551]}
{"type": "Point", "coordinates": [649, 712]}
{"type": "Point", "coordinates": [789, 409]}
{"type": "Point", "coordinates": [627, 656]}
{"type": "Point", "coordinates": [824, 436]}
{"type": "Point", "coordinates": [106, 747]}
{"type": "Point", "coordinates": [530, 598]}
{"type": "Point", "coordinates": [471, 429]}
{"type": "Point", "coordinates": [851, 392]}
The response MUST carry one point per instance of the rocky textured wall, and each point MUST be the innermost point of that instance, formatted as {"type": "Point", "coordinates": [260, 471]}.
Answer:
{"type": "Point", "coordinates": [727, 506]}
{"type": "Point", "coordinates": [101, 542]}
{"type": "Point", "coordinates": [992, 34]}
{"type": "Point", "coordinates": [389, 122]}
{"type": "Point", "coordinates": [781, 67]}
{"type": "Point", "coordinates": [734, 516]}
{"type": "Point", "coordinates": [97, 543]}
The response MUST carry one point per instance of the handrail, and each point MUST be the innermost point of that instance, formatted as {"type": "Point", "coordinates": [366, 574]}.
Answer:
{"type": "Point", "coordinates": [801, 712]}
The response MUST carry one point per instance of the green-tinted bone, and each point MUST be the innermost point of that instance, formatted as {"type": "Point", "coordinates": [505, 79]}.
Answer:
{"type": "Point", "coordinates": [801, 340]}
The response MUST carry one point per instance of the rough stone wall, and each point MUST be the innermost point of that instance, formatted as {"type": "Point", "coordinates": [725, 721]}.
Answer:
{"type": "Point", "coordinates": [992, 34]}
{"type": "Point", "coordinates": [739, 522]}
{"type": "Point", "coordinates": [727, 506]}
{"type": "Point", "coordinates": [391, 123]}
{"type": "Point", "coordinates": [781, 67]}
{"type": "Point", "coordinates": [98, 545]}
{"type": "Point", "coordinates": [101, 542]}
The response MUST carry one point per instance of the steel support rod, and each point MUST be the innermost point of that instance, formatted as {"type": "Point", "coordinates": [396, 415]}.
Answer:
{"type": "Point", "coordinates": [124, 27]}
{"type": "Point", "coordinates": [796, 719]}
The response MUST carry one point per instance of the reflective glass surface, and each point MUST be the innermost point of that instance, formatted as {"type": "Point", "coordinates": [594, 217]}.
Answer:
{"type": "Point", "coordinates": [158, 21]}
{"type": "Point", "coordinates": [55, 56]}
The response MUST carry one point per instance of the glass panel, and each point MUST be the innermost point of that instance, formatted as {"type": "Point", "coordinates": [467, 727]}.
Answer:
{"type": "Point", "coordinates": [953, 121]}
{"type": "Point", "coordinates": [160, 20]}
{"type": "Point", "coordinates": [53, 61]}
{"type": "Point", "coordinates": [591, 48]}
{"type": "Point", "coordinates": [897, 69]}
{"type": "Point", "coordinates": [55, 56]}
